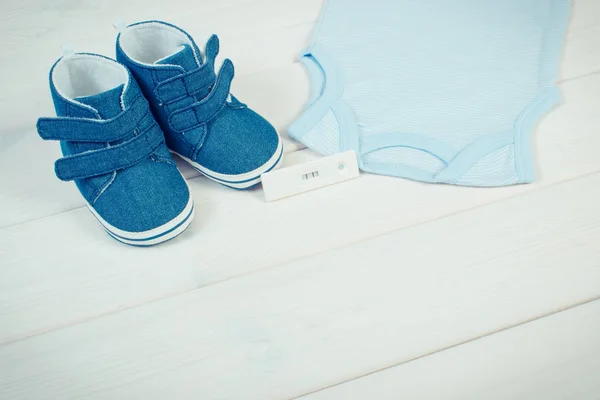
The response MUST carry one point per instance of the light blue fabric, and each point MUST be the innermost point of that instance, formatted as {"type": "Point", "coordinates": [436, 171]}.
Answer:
{"type": "Point", "coordinates": [445, 91]}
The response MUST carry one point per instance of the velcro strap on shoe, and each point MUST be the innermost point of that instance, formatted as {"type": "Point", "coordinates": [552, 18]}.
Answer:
{"type": "Point", "coordinates": [94, 130]}
{"type": "Point", "coordinates": [192, 82]}
{"type": "Point", "coordinates": [110, 159]}
{"type": "Point", "coordinates": [212, 49]}
{"type": "Point", "coordinates": [187, 84]}
{"type": "Point", "coordinates": [203, 111]}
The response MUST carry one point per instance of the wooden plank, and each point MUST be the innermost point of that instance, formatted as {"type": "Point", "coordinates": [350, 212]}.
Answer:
{"type": "Point", "coordinates": [325, 319]}
{"type": "Point", "coordinates": [236, 233]}
{"type": "Point", "coordinates": [268, 93]}
{"type": "Point", "coordinates": [581, 57]}
{"type": "Point", "coordinates": [557, 357]}
{"type": "Point", "coordinates": [257, 35]}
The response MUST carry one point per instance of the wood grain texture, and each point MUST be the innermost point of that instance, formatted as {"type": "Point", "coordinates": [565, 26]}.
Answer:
{"type": "Point", "coordinates": [236, 233]}
{"type": "Point", "coordinates": [581, 58]}
{"type": "Point", "coordinates": [257, 35]}
{"type": "Point", "coordinates": [553, 358]}
{"type": "Point", "coordinates": [264, 38]}
{"type": "Point", "coordinates": [328, 318]}
{"type": "Point", "coordinates": [272, 301]}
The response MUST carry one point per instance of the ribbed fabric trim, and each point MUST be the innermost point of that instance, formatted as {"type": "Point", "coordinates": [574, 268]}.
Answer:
{"type": "Point", "coordinates": [327, 90]}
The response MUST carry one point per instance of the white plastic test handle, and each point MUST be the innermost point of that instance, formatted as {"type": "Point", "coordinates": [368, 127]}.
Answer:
{"type": "Point", "coordinates": [290, 181]}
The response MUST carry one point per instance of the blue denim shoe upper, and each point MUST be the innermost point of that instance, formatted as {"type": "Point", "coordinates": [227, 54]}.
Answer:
{"type": "Point", "coordinates": [192, 103]}
{"type": "Point", "coordinates": [113, 148]}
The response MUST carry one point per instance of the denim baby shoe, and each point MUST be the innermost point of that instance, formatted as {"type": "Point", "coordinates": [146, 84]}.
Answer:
{"type": "Point", "coordinates": [115, 152]}
{"type": "Point", "coordinates": [203, 123]}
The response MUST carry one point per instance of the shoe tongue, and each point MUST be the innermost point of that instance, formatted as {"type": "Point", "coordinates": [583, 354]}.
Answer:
{"type": "Point", "coordinates": [183, 56]}
{"type": "Point", "coordinates": [108, 104]}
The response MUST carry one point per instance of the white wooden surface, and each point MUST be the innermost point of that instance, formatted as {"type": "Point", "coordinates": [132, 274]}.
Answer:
{"type": "Point", "coordinates": [553, 358]}
{"type": "Point", "coordinates": [277, 300]}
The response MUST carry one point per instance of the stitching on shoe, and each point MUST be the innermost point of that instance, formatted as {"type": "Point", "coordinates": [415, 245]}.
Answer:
{"type": "Point", "coordinates": [236, 107]}
{"type": "Point", "coordinates": [90, 153]}
{"type": "Point", "coordinates": [216, 113]}
{"type": "Point", "coordinates": [165, 160]}
{"type": "Point", "coordinates": [106, 186]}
{"type": "Point", "coordinates": [201, 141]}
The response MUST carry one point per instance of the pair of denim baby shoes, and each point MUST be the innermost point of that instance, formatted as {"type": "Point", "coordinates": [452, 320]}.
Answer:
{"type": "Point", "coordinates": [119, 121]}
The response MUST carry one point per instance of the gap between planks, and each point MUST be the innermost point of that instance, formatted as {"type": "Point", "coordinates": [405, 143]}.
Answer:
{"type": "Point", "coordinates": [561, 157]}
{"type": "Point", "coordinates": [295, 313]}
{"type": "Point", "coordinates": [456, 345]}
{"type": "Point", "coordinates": [308, 256]}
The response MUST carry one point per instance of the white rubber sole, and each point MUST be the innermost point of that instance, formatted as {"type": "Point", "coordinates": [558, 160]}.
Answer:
{"type": "Point", "coordinates": [240, 181]}
{"type": "Point", "coordinates": [154, 236]}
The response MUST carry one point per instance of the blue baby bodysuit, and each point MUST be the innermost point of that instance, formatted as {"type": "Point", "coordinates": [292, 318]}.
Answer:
{"type": "Point", "coordinates": [445, 91]}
